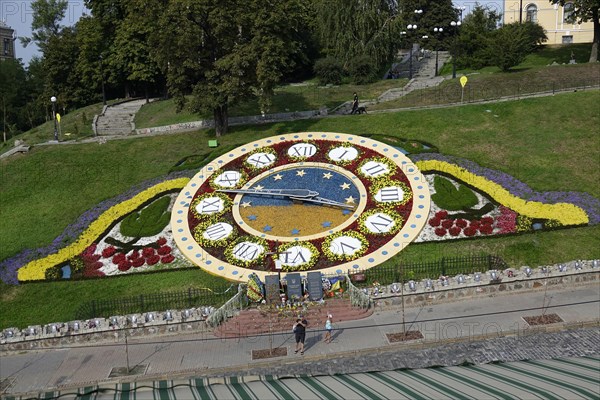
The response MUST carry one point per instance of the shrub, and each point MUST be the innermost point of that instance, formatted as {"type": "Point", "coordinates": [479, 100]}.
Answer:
{"type": "Point", "coordinates": [362, 70]}
{"type": "Point", "coordinates": [329, 71]}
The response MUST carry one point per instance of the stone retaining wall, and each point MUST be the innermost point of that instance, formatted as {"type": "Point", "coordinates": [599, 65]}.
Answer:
{"type": "Point", "coordinates": [442, 295]}
{"type": "Point", "coordinates": [254, 119]}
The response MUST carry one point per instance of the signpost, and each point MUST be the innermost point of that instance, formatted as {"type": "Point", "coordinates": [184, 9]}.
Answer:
{"type": "Point", "coordinates": [463, 82]}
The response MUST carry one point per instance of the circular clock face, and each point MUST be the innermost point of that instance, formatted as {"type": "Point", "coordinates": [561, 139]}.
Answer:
{"type": "Point", "coordinates": [301, 202]}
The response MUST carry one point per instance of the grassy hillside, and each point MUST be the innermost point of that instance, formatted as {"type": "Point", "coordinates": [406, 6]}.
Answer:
{"type": "Point", "coordinates": [550, 143]}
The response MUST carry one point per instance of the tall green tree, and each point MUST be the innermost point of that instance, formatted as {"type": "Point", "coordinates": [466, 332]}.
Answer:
{"type": "Point", "coordinates": [91, 45]}
{"type": "Point", "coordinates": [47, 15]}
{"type": "Point", "coordinates": [472, 47]}
{"type": "Point", "coordinates": [132, 51]}
{"type": "Point", "coordinates": [349, 29]}
{"type": "Point", "coordinates": [12, 79]}
{"type": "Point", "coordinates": [227, 50]}
{"type": "Point", "coordinates": [59, 65]}
{"type": "Point", "coordinates": [585, 11]}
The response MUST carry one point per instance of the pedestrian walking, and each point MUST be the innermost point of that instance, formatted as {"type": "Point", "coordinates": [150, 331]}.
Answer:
{"type": "Point", "coordinates": [300, 333]}
{"type": "Point", "coordinates": [328, 329]}
{"type": "Point", "coordinates": [354, 104]}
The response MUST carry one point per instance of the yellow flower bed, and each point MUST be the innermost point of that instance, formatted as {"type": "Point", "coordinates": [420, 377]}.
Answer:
{"type": "Point", "coordinates": [565, 213]}
{"type": "Point", "coordinates": [36, 270]}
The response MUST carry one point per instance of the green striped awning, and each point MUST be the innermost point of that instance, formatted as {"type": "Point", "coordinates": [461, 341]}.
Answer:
{"type": "Point", "coordinates": [569, 378]}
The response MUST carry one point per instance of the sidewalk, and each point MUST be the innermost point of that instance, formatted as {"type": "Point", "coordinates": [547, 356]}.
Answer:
{"type": "Point", "coordinates": [454, 333]}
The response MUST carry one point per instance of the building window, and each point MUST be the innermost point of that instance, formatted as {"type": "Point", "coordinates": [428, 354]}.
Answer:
{"type": "Point", "coordinates": [567, 39]}
{"type": "Point", "coordinates": [6, 44]}
{"type": "Point", "coordinates": [531, 13]}
{"type": "Point", "coordinates": [568, 12]}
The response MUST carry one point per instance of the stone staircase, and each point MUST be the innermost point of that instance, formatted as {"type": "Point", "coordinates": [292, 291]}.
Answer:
{"type": "Point", "coordinates": [118, 119]}
{"type": "Point", "coordinates": [424, 76]}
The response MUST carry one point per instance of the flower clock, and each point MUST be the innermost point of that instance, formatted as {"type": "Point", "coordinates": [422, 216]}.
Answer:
{"type": "Point", "coordinates": [297, 202]}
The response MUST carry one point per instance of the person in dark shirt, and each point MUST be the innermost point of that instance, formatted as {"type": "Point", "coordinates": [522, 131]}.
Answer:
{"type": "Point", "coordinates": [300, 332]}
{"type": "Point", "coordinates": [354, 104]}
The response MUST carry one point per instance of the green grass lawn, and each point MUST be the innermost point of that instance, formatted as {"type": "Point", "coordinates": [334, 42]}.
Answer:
{"type": "Point", "coordinates": [289, 98]}
{"type": "Point", "coordinates": [540, 141]}
{"type": "Point", "coordinates": [549, 143]}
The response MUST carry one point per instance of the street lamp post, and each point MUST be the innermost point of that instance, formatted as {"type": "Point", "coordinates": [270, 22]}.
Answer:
{"type": "Point", "coordinates": [437, 47]}
{"type": "Point", "coordinates": [455, 24]}
{"type": "Point", "coordinates": [102, 76]}
{"type": "Point", "coordinates": [53, 100]}
{"type": "Point", "coordinates": [410, 27]}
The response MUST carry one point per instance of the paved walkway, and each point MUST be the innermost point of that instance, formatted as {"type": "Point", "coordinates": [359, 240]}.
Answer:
{"type": "Point", "coordinates": [479, 330]}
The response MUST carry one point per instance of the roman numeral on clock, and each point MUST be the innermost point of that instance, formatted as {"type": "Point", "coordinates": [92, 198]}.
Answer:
{"type": "Point", "coordinates": [210, 205]}
{"type": "Point", "coordinates": [302, 150]}
{"type": "Point", "coordinates": [247, 251]}
{"type": "Point", "coordinates": [379, 223]}
{"type": "Point", "coordinates": [390, 194]}
{"type": "Point", "coordinates": [260, 159]}
{"type": "Point", "coordinates": [228, 178]}
{"type": "Point", "coordinates": [217, 231]}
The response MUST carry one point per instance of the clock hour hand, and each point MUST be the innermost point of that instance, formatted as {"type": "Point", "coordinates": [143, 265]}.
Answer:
{"type": "Point", "coordinates": [324, 201]}
{"type": "Point", "coordinates": [300, 194]}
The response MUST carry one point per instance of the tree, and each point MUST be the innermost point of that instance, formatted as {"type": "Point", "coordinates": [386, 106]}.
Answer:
{"type": "Point", "coordinates": [47, 15]}
{"type": "Point", "coordinates": [226, 51]}
{"type": "Point", "coordinates": [509, 45]}
{"type": "Point", "coordinates": [131, 45]}
{"type": "Point", "coordinates": [585, 11]}
{"type": "Point", "coordinates": [12, 78]}
{"type": "Point", "coordinates": [472, 47]}
{"type": "Point", "coordinates": [353, 28]}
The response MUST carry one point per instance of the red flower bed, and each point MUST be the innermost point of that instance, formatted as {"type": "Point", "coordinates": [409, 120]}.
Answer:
{"type": "Point", "coordinates": [124, 266]}
{"type": "Point", "coordinates": [109, 252]}
{"type": "Point", "coordinates": [447, 223]}
{"type": "Point", "coordinates": [147, 252]}
{"type": "Point", "coordinates": [435, 221]}
{"type": "Point", "coordinates": [119, 258]}
{"type": "Point", "coordinates": [470, 231]}
{"type": "Point", "coordinates": [167, 259]}
{"type": "Point", "coordinates": [441, 214]}
{"type": "Point", "coordinates": [152, 259]}
{"type": "Point", "coordinates": [486, 229]}
{"type": "Point", "coordinates": [461, 223]}
{"type": "Point", "coordinates": [487, 221]}
{"type": "Point", "coordinates": [161, 241]}
{"type": "Point", "coordinates": [164, 250]}
{"type": "Point", "coordinates": [93, 273]}
{"type": "Point", "coordinates": [454, 231]}
{"type": "Point", "coordinates": [440, 232]}
{"type": "Point", "coordinates": [137, 262]}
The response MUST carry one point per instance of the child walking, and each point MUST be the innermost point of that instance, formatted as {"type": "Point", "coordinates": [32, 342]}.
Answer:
{"type": "Point", "coordinates": [328, 329]}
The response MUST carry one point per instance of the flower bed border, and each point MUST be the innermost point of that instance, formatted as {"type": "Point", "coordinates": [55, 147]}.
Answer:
{"type": "Point", "coordinates": [506, 190]}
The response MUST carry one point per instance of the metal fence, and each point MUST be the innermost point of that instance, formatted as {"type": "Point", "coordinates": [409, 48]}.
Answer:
{"type": "Point", "coordinates": [156, 302]}
{"type": "Point", "coordinates": [421, 95]}
{"type": "Point", "coordinates": [388, 274]}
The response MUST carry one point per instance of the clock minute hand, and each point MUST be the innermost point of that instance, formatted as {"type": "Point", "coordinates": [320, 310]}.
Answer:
{"type": "Point", "coordinates": [300, 194]}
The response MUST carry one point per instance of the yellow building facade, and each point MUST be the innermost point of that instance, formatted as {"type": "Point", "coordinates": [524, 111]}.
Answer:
{"type": "Point", "coordinates": [552, 17]}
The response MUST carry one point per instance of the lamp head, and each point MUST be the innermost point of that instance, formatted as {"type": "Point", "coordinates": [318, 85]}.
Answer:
{"type": "Point", "coordinates": [53, 99]}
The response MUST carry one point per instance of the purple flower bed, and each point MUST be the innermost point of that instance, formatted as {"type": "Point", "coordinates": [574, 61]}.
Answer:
{"type": "Point", "coordinates": [587, 202]}
{"type": "Point", "coordinates": [10, 266]}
